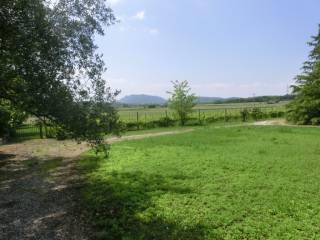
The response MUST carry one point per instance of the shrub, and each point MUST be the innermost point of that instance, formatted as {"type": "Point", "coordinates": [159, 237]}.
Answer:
{"type": "Point", "coordinates": [193, 122]}
{"type": "Point", "coordinates": [315, 121]}
{"type": "Point", "coordinates": [256, 113]}
{"type": "Point", "coordinates": [133, 126]}
{"type": "Point", "coordinates": [61, 134]}
{"type": "Point", "coordinates": [276, 114]}
{"type": "Point", "coordinates": [165, 122]}
{"type": "Point", "coordinates": [244, 115]}
{"type": "Point", "coordinates": [273, 114]}
{"type": "Point", "coordinates": [211, 119]}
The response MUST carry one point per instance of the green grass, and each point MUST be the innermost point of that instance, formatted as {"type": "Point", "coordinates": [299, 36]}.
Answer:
{"type": "Point", "coordinates": [27, 132]}
{"type": "Point", "coordinates": [206, 111]}
{"type": "Point", "coordinates": [226, 183]}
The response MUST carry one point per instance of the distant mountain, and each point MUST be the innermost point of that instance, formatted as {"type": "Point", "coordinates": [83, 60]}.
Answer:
{"type": "Point", "coordinates": [208, 99]}
{"type": "Point", "coordinates": [142, 99]}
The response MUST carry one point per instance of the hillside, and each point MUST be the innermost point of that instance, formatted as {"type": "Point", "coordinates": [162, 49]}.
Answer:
{"type": "Point", "coordinates": [142, 99]}
{"type": "Point", "coordinates": [208, 99]}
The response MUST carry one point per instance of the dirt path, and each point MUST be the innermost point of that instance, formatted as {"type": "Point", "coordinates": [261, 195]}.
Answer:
{"type": "Point", "coordinates": [281, 122]}
{"type": "Point", "coordinates": [277, 122]}
{"type": "Point", "coordinates": [147, 135]}
{"type": "Point", "coordinates": [39, 189]}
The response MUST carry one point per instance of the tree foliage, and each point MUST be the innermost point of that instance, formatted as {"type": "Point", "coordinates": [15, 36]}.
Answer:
{"type": "Point", "coordinates": [10, 118]}
{"type": "Point", "coordinates": [181, 100]}
{"type": "Point", "coordinates": [305, 108]}
{"type": "Point", "coordinates": [49, 66]}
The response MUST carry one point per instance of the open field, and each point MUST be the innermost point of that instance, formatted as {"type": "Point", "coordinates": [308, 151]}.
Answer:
{"type": "Point", "coordinates": [201, 111]}
{"type": "Point", "coordinates": [138, 118]}
{"type": "Point", "coordinates": [250, 182]}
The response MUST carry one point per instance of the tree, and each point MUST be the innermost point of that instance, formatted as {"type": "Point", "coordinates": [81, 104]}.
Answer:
{"type": "Point", "coordinates": [10, 118]}
{"type": "Point", "coordinates": [305, 108]}
{"type": "Point", "coordinates": [181, 101]}
{"type": "Point", "coordinates": [49, 66]}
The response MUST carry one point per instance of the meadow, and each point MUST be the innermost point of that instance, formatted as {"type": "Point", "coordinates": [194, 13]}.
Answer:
{"type": "Point", "coordinates": [200, 111]}
{"type": "Point", "coordinates": [245, 182]}
{"type": "Point", "coordinates": [139, 117]}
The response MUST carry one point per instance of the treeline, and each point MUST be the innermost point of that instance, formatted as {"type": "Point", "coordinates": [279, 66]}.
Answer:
{"type": "Point", "coordinates": [267, 99]}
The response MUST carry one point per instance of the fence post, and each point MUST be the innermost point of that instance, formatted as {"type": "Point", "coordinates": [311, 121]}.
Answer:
{"type": "Point", "coordinates": [40, 128]}
{"type": "Point", "coordinates": [199, 115]}
{"type": "Point", "coordinates": [138, 120]}
{"type": "Point", "coordinates": [167, 120]}
{"type": "Point", "coordinates": [225, 115]}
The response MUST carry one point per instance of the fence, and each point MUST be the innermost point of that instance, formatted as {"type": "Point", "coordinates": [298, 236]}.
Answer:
{"type": "Point", "coordinates": [199, 114]}
{"type": "Point", "coordinates": [134, 120]}
{"type": "Point", "coordinates": [30, 131]}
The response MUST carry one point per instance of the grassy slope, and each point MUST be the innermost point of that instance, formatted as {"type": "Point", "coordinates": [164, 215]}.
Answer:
{"type": "Point", "coordinates": [235, 183]}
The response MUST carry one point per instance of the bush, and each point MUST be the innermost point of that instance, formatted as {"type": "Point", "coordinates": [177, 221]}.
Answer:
{"type": "Point", "coordinates": [315, 121]}
{"type": "Point", "coordinates": [61, 134]}
{"type": "Point", "coordinates": [165, 122]}
{"type": "Point", "coordinates": [133, 126]}
{"type": "Point", "coordinates": [193, 122]}
{"type": "Point", "coordinates": [227, 118]}
{"type": "Point", "coordinates": [244, 115]}
{"type": "Point", "coordinates": [273, 114]}
{"type": "Point", "coordinates": [211, 119]}
{"type": "Point", "coordinates": [149, 125]}
{"type": "Point", "coordinates": [276, 114]}
{"type": "Point", "coordinates": [256, 113]}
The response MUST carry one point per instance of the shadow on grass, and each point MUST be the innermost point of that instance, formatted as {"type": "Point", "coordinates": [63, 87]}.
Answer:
{"type": "Point", "coordinates": [121, 205]}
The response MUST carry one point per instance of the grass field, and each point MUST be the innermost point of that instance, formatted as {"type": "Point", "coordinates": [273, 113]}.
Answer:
{"type": "Point", "coordinates": [138, 118]}
{"type": "Point", "coordinates": [203, 111]}
{"type": "Point", "coordinates": [213, 183]}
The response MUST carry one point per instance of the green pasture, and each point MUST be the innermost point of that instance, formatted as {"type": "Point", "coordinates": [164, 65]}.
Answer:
{"type": "Point", "coordinates": [138, 118]}
{"type": "Point", "coordinates": [214, 183]}
{"type": "Point", "coordinates": [201, 111]}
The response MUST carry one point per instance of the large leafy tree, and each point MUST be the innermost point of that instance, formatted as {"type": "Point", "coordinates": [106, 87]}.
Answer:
{"type": "Point", "coordinates": [305, 108]}
{"type": "Point", "coordinates": [49, 66]}
{"type": "Point", "coordinates": [10, 118]}
{"type": "Point", "coordinates": [181, 100]}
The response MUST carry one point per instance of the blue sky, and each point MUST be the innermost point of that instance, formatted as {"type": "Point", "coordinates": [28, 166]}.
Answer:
{"type": "Point", "coordinates": [224, 48]}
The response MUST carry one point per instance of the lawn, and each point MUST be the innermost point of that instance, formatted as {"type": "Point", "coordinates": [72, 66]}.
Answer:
{"type": "Point", "coordinates": [213, 183]}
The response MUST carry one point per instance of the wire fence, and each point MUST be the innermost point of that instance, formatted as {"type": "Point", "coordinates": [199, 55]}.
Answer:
{"type": "Point", "coordinates": [134, 120]}
{"type": "Point", "coordinates": [200, 114]}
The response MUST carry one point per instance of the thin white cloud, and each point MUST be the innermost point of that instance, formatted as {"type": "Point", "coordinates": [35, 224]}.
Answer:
{"type": "Point", "coordinates": [140, 15]}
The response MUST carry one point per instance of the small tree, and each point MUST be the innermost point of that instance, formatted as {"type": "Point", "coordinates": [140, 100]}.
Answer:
{"type": "Point", "coordinates": [244, 114]}
{"type": "Point", "coordinates": [181, 100]}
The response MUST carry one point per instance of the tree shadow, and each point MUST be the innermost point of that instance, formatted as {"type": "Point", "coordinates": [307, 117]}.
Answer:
{"type": "Point", "coordinates": [121, 206]}
{"type": "Point", "coordinates": [5, 157]}
{"type": "Point", "coordinates": [34, 203]}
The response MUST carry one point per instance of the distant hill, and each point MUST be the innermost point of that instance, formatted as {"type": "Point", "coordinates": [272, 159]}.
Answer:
{"type": "Point", "coordinates": [209, 99]}
{"type": "Point", "coordinates": [268, 99]}
{"type": "Point", "coordinates": [142, 99]}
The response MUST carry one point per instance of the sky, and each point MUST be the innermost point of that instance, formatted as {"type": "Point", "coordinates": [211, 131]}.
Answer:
{"type": "Point", "coordinates": [223, 48]}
